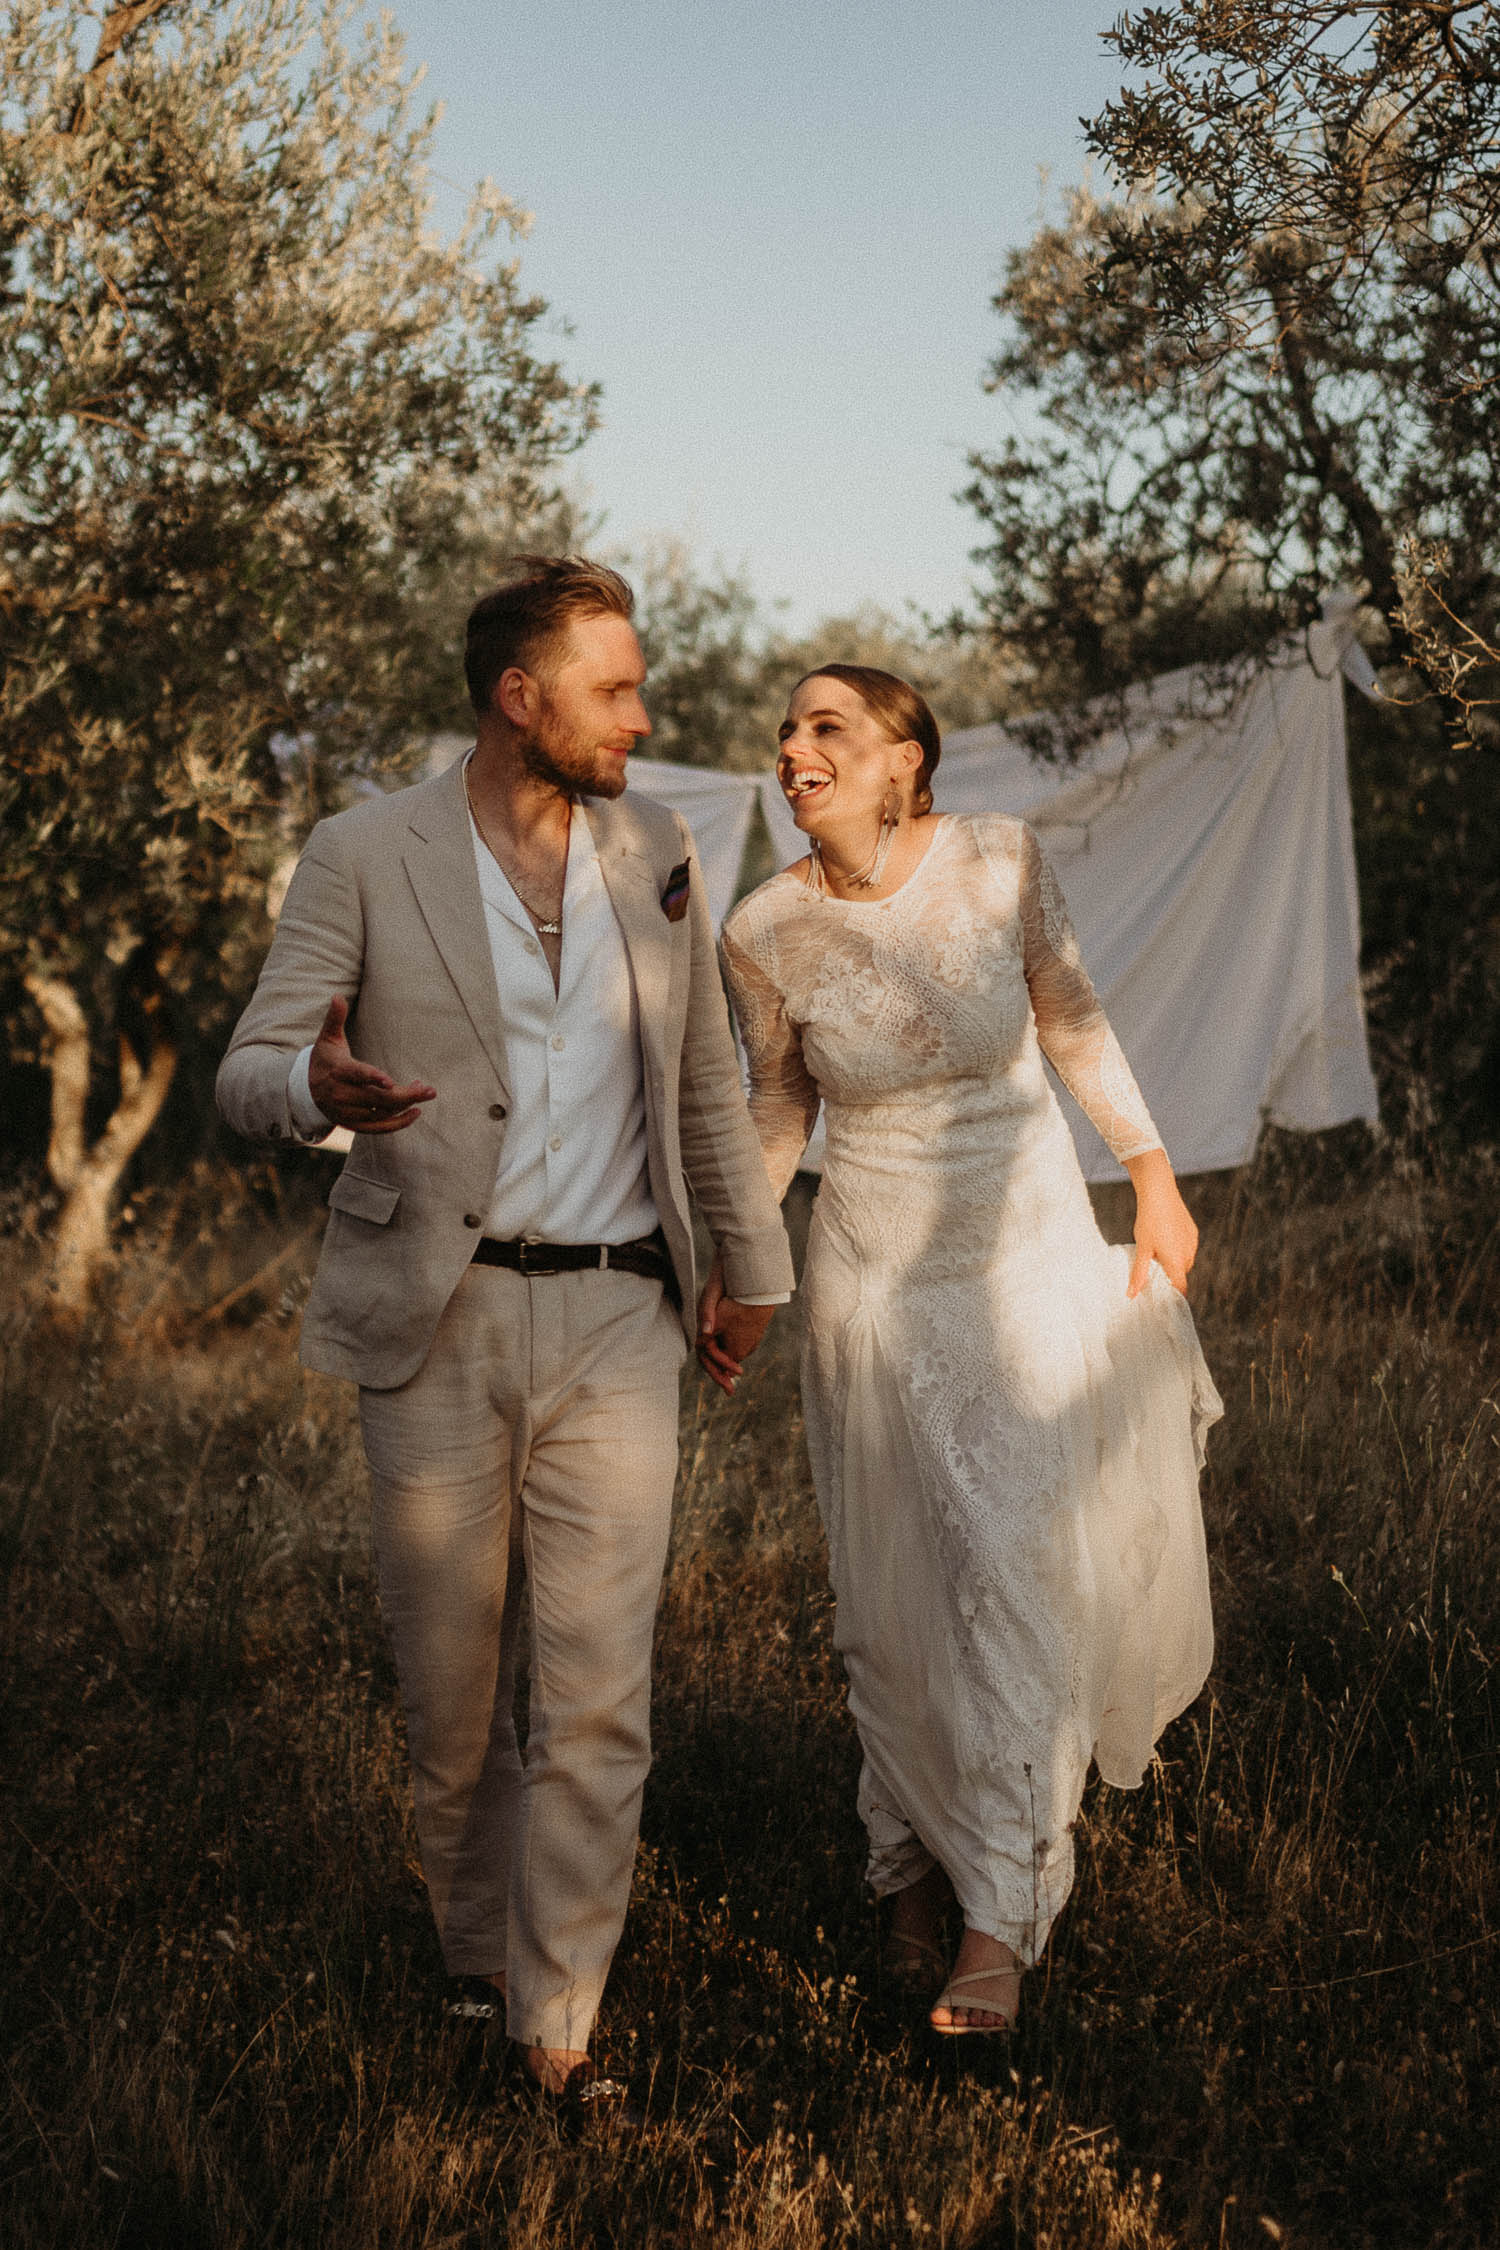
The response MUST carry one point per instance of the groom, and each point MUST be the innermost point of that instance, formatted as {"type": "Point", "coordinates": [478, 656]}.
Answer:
{"type": "Point", "coordinates": [503, 982]}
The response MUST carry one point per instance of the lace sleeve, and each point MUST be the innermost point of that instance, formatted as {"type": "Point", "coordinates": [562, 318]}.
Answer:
{"type": "Point", "coordinates": [1071, 1026]}
{"type": "Point", "coordinates": [783, 1096]}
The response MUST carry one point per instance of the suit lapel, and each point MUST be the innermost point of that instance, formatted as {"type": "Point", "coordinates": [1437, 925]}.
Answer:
{"type": "Point", "coordinates": [631, 881]}
{"type": "Point", "coordinates": [439, 860]}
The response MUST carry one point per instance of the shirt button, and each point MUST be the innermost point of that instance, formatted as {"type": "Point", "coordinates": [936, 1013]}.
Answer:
{"type": "Point", "coordinates": [558, 1042]}
{"type": "Point", "coordinates": [497, 1109]}
{"type": "Point", "coordinates": [555, 1142]}
{"type": "Point", "coordinates": [471, 1219]}
{"type": "Point", "coordinates": [532, 946]}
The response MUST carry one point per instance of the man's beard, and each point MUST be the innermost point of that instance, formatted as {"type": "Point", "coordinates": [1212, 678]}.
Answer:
{"type": "Point", "coordinates": [557, 757]}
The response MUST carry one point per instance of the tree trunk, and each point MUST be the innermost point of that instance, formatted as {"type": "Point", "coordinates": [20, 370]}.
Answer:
{"type": "Point", "coordinates": [66, 1055]}
{"type": "Point", "coordinates": [88, 1177]}
{"type": "Point", "coordinates": [1327, 459]}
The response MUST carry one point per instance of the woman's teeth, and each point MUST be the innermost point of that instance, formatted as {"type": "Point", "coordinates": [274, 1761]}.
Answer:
{"type": "Point", "coordinates": [800, 784]}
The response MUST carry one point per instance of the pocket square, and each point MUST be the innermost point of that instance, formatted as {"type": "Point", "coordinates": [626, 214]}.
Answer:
{"type": "Point", "coordinates": [674, 899]}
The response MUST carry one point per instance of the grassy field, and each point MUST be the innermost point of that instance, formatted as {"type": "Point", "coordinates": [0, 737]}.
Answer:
{"type": "Point", "coordinates": [1269, 2015]}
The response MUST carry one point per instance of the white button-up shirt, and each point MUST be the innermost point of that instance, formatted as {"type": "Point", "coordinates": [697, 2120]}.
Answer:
{"type": "Point", "coordinates": [573, 1165]}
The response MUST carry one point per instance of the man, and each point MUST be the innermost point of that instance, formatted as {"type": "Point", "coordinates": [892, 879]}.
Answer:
{"type": "Point", "coordinates": [503, 982]}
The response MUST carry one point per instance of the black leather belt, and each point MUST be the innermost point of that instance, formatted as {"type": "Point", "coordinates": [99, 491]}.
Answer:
{"type": "Point", "coordinates": [646, 1256]}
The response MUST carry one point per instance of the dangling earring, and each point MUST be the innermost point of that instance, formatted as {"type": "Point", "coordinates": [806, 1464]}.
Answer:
{"type": "Point", "coordinates": [866, 877]}
{"type": "Point", "coordinates": [890, 820]}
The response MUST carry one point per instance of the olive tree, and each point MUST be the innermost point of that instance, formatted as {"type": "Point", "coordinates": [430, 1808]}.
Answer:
{"type": "Point", "coordinates": [256, 418]}
{"type": "Point", "coordinates": [1260, 360]}
{"type": "Point", "coordinates": [1268, 362]}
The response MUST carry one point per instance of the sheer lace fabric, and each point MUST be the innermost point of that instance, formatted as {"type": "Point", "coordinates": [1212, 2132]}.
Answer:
{"type": "Point", "coordinates": [1006, 1450]}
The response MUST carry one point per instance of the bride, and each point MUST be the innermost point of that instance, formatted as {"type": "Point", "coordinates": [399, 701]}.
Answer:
{"type": "Point", "coordinates": [1005, 1415]}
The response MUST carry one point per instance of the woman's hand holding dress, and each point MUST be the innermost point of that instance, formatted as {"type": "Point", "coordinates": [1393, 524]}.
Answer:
{"type": "Point", "coordinates": [1164, 1226]}
{"type": "Point", "coordinates": [1076, 1039]}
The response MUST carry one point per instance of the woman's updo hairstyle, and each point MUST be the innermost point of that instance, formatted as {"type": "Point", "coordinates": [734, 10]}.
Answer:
{"type": "Point", "coordinates": [897, 707]}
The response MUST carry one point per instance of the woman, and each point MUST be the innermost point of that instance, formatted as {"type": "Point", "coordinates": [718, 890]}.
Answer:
{"type": "Point", "coordinates": [1005, 1415]}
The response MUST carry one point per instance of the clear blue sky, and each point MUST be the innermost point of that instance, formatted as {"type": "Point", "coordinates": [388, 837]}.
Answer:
{"type": "Point", "coordinates": [773, 232]}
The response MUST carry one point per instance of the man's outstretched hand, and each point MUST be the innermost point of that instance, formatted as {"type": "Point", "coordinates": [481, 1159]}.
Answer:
{"type": "Point", "coordinates": [356, 1094]}
{"type": "Point", "coordinates": [728, 1331]}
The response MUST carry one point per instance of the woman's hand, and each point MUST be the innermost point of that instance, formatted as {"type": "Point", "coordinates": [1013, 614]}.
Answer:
{"type": "Point", "coordinates": [1164, 1228]}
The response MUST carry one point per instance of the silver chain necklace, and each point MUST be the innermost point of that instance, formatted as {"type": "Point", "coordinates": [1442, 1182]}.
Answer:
{"type": "Point", "coordinates": [544, 928]}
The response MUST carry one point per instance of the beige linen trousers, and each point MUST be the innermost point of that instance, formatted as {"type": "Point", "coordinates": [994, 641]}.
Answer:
{"type": "Point", "coordinates": [514, 1427]}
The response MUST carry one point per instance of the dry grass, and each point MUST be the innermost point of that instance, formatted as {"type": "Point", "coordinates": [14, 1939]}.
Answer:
{"type": "Point", "coordinates": [1269, 2014]}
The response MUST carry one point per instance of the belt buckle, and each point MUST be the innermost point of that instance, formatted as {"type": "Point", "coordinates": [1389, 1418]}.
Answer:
{"type": "Point", "coordinates": [524, 1251]}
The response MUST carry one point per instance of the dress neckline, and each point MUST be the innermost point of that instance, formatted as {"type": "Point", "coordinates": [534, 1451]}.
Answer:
{"type": "Point", "coordinates": [940, 826]}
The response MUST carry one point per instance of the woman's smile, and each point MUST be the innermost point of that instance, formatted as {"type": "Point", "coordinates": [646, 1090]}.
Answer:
{"type": "Point", "coordinates": [798, 783]}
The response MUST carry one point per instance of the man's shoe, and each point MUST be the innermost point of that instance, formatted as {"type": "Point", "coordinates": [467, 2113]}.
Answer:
{"type": "Point", "coordinates": [474, 2001]}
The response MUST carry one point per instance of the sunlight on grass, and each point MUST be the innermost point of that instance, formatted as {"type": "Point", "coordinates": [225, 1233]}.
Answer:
{"type": "Point", "coordinates": [1268, 2014]}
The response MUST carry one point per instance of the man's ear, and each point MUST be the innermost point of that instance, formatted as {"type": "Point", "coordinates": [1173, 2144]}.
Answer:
{"type": "Point", "coordinates": [517, 696]}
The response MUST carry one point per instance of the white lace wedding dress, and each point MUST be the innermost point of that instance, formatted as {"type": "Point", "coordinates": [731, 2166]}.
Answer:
{"type": "Point", "coordinates": [1006, 1450]}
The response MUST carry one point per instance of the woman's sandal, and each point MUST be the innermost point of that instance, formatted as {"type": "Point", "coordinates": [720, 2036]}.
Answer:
{"type": "Point", "coordinates": [954, 1996]}
{"type": "Point", "coordinates": [915, 1965]}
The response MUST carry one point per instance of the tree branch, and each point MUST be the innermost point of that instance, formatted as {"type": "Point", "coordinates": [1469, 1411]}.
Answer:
{"type": "Point", "coordinates": [118, 27]}
{"type": "Point", "coordinates": [1331, 469]}
{"type": "Point", "coordinates": [47, 603]}
{"type": "Point", "coordinates": [142, 1092]}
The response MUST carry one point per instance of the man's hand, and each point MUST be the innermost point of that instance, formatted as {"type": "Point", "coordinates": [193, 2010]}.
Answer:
{"type": "Point", "coordinates": [356, 1094]}
{"type": "Point", "coordinates": [728, 1331]}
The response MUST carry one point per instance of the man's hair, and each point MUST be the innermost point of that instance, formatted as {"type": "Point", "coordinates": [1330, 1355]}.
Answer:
{"type": "Point", "coordinates": [896, 707]}
{"type": "Point", "coordinates": [525, 619]}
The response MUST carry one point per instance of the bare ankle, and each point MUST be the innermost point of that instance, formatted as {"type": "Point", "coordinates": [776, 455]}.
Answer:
{"type": "Point", "coordinates": [920, 1905]}
{"type": "Point", "coordinates": [550, 2066]}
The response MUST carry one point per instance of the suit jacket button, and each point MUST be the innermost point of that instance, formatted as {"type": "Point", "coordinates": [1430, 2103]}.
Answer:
{"type": "Point", "coordinates": [497, 1109]}
{"type": "Point", "coordinates": [472, 1219]}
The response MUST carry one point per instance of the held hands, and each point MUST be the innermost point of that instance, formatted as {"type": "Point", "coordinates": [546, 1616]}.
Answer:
{"type": "Point", "coordinates": [1164, 1228]}
{"type": "Point", "coordinates": [356, 1094]}
{"type": "Point", "coordinates": [728, 1331]}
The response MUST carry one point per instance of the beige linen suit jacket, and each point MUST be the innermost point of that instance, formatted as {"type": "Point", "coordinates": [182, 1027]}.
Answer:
{"type": "Point", "coordinates": [385, 908]}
